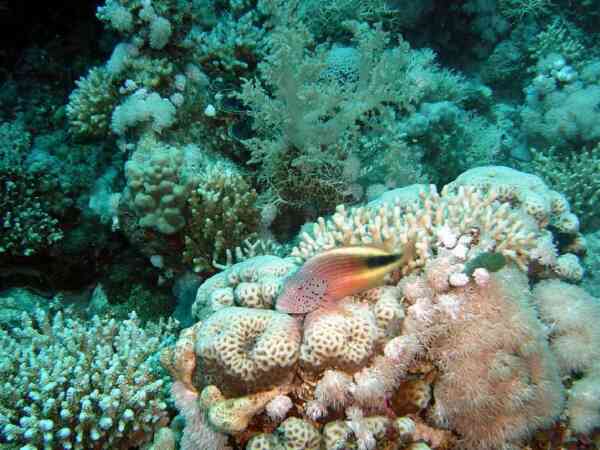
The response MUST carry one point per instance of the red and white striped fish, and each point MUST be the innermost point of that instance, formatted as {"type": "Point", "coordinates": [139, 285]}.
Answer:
{"type": "Point", "coordinates": [334, 274]}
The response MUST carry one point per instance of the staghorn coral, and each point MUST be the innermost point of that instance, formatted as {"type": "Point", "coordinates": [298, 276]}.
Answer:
{"type": "Point", "coordinates": [69, 384]}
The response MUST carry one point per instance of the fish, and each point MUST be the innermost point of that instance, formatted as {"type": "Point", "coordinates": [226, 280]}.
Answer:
{"type": "Point", "coordinates": [334, 274]}
{"type": "Point", "coordinates": [491, 261]}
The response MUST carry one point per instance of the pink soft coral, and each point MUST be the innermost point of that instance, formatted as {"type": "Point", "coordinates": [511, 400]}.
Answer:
{"type": "Point", "coordinates": [498, 380]}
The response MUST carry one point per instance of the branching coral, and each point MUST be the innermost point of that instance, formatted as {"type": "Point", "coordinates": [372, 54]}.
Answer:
{"type": "Point", "coordinates": [223, 215]}
{"type": "Point", "coordinates": [422, 219]}
{"type": "Point", "coordinates": [68, 384]}
{"type": "Point", "coordinates": [27, 222]}
{"type": "Point", "coordinates": [576, 176]}
{"type": "Point", "coordinates": [455, 341]}
{"type": "Point", "coordinates": [91, 104]}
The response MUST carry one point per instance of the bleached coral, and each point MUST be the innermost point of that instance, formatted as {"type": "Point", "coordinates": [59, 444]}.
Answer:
{"type": "Point", "coordinates": [68, 384]}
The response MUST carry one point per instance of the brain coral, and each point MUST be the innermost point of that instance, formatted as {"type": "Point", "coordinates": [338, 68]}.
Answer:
{"type": "Point", "coordinates": [340, 338]}
{"type": "Point", "coordinates": [243, 349]}
{"type": "Point", "coordinates": [453, 351]}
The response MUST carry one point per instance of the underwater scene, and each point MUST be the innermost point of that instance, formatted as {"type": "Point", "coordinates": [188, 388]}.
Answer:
{"type": "Point", "coordinates": [300, 225]}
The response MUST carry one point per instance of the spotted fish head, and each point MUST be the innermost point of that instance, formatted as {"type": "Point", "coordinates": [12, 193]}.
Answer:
{"type": "Point", "coordinates": [302, 294]}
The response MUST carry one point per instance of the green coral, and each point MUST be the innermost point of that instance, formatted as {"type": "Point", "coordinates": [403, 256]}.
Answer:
{"type": "Point", "coordinates": [28, 226]}
{"type": "Point", "coordinates": [223, 215]}
{"type": "Point", "coordinates": [576, 176]}
{"type": "Point", "coordinates": [91, 104]}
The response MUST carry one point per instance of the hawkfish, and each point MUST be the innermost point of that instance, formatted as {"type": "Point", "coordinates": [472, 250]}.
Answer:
{"type": "Point", "coordinates": [328, 277]}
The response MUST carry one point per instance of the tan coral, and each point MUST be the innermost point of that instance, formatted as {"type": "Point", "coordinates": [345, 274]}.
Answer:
{"type": "Point", "coordinates": [253, 283]}
{"type": "Point", "coordinates": [209, 396]}
{"type": "Point", "coordinates": [180, 359]}
{"type": "Point", "coordinates": [298, 434]}
{"type": "Point", "coordinates": [243, 350]}
{"type": "Point", "coordinates": [336, 434]}
{"type": "Point", "coordinates": [344, 337]}
{"type": "Point", "coordinates": [388, 311]}
{"type": "Point", "coordinates": [264, 441]}
{"type": "Point", "coordinates": [233, 415]}
{"type": "Point", "coordinates": [393, 225]}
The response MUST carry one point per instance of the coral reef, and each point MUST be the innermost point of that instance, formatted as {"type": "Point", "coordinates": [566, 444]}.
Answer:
{"type": "Point", "coordinates": [574, 175]}
{"type": "Point", "coordinates": [457, 213]}
{"type": "Point", "coordinates": [398, 363]}
{"type": "Point", "coordinates": [186, 172]}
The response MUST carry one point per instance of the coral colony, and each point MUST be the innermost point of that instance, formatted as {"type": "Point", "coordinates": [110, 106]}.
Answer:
{"type": "Point", "coordinates": [301, 225]}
